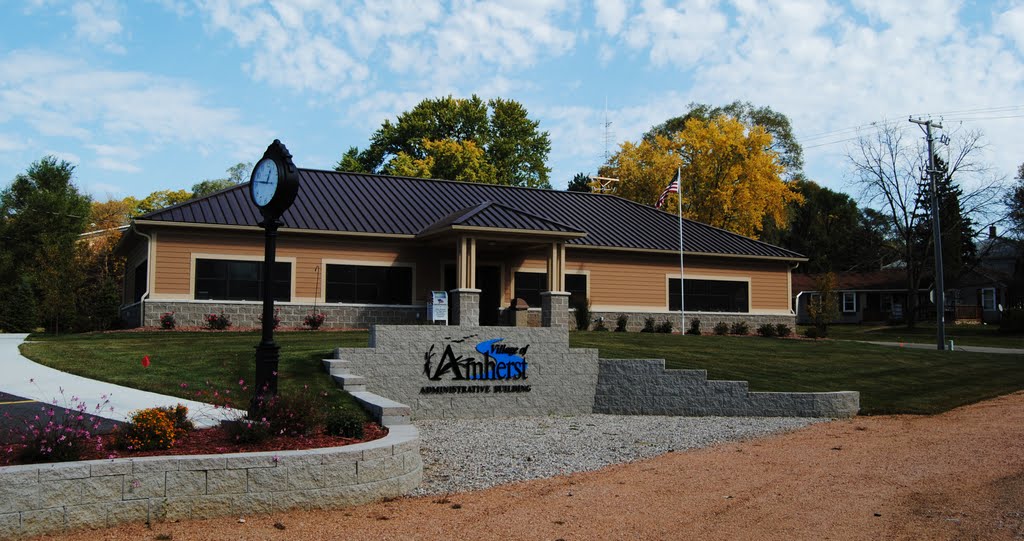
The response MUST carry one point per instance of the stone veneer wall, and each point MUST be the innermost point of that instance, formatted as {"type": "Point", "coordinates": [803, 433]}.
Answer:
{"type": "Point", "coordinates": [561, 380]}
{"type": "Point", "coordinates": [645, 387]}
{"type": "Point", "coordinates": [245, 314]}
{"type": "Point", "coordinates": [36, 499]}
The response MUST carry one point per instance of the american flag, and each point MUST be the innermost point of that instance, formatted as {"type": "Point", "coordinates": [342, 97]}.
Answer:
{"type": "Point", "coordinates": [673, 187]}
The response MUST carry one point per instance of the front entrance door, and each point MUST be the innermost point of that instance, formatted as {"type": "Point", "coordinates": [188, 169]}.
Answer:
{"type": "Point", "coordinates": [488, 281]}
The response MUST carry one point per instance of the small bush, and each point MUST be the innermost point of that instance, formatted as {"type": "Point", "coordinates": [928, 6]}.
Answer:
{"type": "Point", "coordinates": [783, 330]}
{"type": "Point", "coordinates": [343, 422]}
{"type": "Point", "coordinates": [582, 315]}
{"type": "Point", "coordinates": [50, 436]}
{"type": "Point", "coordinates": [648, 325]}
{"type": "Point", "coordinates": [621, 322]}
{"type": "Point", "coordinates": [167, 320]}
{"type": "Point", "coordinates": [721, 328]}
{"type": "Point", "coordinates": [218, 322]}
{"type": "Point", "coordinates": [766, 330]}
{"type": "Point", "coordinates": [599, 325]}
{"type": "Point", "coordinates": [1012, 320]}
{"type": "Point", "coordinates": [314, 320]}
{"type": "Point", "coordinates": [694, 327]}
{"type": "Point", "coordinates": [277, 318]}
{"type": "Point", "coordinates": [294, 415]}
{"type": "Point", "coordinates": [740, 327]}
{"type": "Point", "coordinates": [812, 332]}
{"type": "Point", "coordinates": [665, 327]}
{"type": "Point", "coordinates": [149, 429]}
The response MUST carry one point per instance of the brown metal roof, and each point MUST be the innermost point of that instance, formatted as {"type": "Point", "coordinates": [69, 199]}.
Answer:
{"type": "Point", "coordinates": [364, 203]}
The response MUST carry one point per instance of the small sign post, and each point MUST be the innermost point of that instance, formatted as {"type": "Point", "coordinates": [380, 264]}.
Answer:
{"type": "Point", "coordinates": [438, 307]}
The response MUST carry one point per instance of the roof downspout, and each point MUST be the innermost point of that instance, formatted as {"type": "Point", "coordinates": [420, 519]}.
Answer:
{"type": "Point", "coordinates": [796, 304]}
{"type": "Point", "coordinates": [149, 269]}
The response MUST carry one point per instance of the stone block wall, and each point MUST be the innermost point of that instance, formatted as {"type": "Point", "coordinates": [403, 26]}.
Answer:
{"type": "Point", "coordinates": [559, 380]}
{"type": "Point", "coordinates": [554, 309]}
{"type": "Point", "coordinates": [646, 387]}
{"type": "Point", "coordinates": [37, 499]}
{"type": "Point", "coordinates": [246, 314]}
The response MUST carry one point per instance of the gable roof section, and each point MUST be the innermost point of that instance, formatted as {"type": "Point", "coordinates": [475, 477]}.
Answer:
{"type": "Point", "coordinates": [378, 204]}
{"type": "Point", "coordinates": [491, 215]}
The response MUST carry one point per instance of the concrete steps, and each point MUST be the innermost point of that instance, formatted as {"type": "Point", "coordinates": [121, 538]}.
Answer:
{"type": "Point", "coordinates": [384, 410]}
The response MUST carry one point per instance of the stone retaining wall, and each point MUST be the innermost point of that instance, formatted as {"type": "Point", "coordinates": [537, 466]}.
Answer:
{"type": "Point", "coordinates": [645, 387]}
{"type": "Point", "coordinates": [246, 314]}
{"type": "Point", "coordinates": [36, 499]}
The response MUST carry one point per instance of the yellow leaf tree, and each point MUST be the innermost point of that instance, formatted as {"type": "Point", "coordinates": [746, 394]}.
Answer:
{"type": "Point", "coordinates": [730, 176]}
{"type": "Point", "coordinates": [448, 159]}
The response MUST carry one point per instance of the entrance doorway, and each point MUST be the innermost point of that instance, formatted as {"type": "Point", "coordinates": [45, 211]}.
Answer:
{"type": "Point", "coordinates": [488, 281]}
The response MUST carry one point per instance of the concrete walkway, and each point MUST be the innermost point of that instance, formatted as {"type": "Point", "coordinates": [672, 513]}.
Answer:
{"type": "Point", "coordinates": [23, 377]}
{"type": "Point", "coordinates": [956, 347]}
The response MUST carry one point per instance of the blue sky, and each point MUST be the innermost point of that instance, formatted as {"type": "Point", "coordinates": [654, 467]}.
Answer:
{"type": "Point", "coordinates": [160, 94]}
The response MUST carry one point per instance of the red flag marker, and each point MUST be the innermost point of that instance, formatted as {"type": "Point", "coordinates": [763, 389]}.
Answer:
{"type": "Point", "coordinates": [145, 361]}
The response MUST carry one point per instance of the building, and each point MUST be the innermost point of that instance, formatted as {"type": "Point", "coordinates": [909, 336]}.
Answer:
{"type": "Point", "coordinates": [366, 249]}
{"type": "Point", "coordinates": [862, 297]}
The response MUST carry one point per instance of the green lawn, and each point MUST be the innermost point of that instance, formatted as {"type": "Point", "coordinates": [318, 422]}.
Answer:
{"type": "Point", "coordinates": [924, 333]}
{"type": "Point", "coordinates": [890, 379]}
{"type": "Point", "coordinates": [193, 359]}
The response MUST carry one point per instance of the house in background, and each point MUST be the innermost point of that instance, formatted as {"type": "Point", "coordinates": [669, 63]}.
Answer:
{"type": "Point", "coordinates": [367, 249]}
{"type": "Point", "coordinates": [863, 297]}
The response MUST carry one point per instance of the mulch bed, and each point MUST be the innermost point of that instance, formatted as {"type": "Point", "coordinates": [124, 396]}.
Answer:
{"type": "Point", "coordinates": [213, 441]}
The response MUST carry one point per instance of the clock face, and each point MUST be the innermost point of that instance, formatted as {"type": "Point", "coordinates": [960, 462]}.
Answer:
{"type": "Point", "coordinates": [264, 182]}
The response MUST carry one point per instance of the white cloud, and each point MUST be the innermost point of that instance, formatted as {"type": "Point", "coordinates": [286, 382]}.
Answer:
{"type": "Point", "coordinates": [97, 22]}
{"type": "Point", "coordinates": [69, 157]}
{"type": "Point", "coordinates": [9, 143]}
{"type": "Point", "coordinates": [1010, 25]}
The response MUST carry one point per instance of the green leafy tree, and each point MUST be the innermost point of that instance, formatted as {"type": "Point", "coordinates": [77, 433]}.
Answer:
{"type": "Point", "coordinates": [1015, 204]}
{"type": "Point", "coordinates": [511, 143]}
{"type": "Point", "coordinates": [783, 142]}
{"type": "Point", "coordinates": [579, 183]}
{"type": "Point", "coordinates": [350, 162]}
{"type": "Point", "coordinates": [237, 174]}
{"type": "Point", "coordinates": [162, 199]}
{"type": "Point", "coordinates": [42, 215]}
{"type": "Point", "coordinates": [823, 307]}
{"type": "Point", "coordinates": [959, 253]}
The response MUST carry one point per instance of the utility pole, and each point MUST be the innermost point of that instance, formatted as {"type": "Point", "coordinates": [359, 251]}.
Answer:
{"type": "Point", "coordinates": [940, 286]}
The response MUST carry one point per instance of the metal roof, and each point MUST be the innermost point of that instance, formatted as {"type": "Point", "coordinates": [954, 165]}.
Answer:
{"type": "Point", "coordinates": [365, 203]}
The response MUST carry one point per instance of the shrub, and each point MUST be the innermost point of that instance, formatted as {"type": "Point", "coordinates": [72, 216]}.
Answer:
{"type": "Point", "coordinates": [599, 325]}
{"type": "Point", "coordinates": [218, 322]}
{"type": "Point", "coordinates": [812, 332]}
{"type": "Point", "coordinates": [740, 327]}
{"type": "Point", "coordinates": [721, 328]}
{"type": "Point", "coordinates": [783, 330]}
{"type": "Point", "coordinates": [167, 320]}
{"type": "Point", "coordinates": [314, 320]}
{"type": "Point", "coordinates": [694, 327]}
{"type": "Point", "coordinates": [766, 330]}
{"type": "Point", "coordinates": [1012, 320]}
{"type": "Point", "coordinates": [582, 315]}
{"type": "Point", "coordinates": [648, 325]}
{"type": "Point", "coordinates": [665, 327]}
{"type": "Point", "coordinates": [277, 318]}
{"type": "Point", "coordinates": [621, 322]}
{"type": "Point", "coordinates": [50, 436]}
{"type": "Point", "coordinates": [292, 416]}
{"type": "Point", "coordinates": [149, 429]}
{"type": "Point", "coordinates": [343, 422]}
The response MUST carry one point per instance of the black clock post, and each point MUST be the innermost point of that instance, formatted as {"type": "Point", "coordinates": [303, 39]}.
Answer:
{"type": "Point", "coordinates": [273, 186]}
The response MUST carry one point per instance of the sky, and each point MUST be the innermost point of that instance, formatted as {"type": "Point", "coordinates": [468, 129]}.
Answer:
{"type": "Point", "coordinates": [145, 95]}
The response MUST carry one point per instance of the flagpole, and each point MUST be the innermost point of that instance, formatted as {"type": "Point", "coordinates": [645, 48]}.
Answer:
{"type": "Point", "coordinates": [679, 200]}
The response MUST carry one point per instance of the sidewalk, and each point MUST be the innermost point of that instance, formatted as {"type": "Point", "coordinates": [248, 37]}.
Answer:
{"type": "Point", "coordinates": [22, 377]}
{"type": "Point", "coordinates": [956, 347]}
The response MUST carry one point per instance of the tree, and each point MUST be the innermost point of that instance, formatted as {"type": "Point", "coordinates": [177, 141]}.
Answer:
{"type": "Point", "coordinates": [42, 215]}
{"type": "Point", "coordinates": [237, 174]}
{"type": "Point", "coordinates": [730, 178]}
{"type": "Point", "coordinates": [1015, 204]}
{"type": "Point", "coordinates": [823, 307]}
{"type": "Point", "coordinates": [783, 142]}
{"type": "Point", "coordinates": [958, 250]}
{"type": "Point", "coordinates": [510, 142]}
{"type": "Point", "coordinates": [162, 199]}
{"type": "Point", "coordinates": [579, 183]}
{"type": "Point", "coordinates": [447, 159]}
{"type": "Point", "coordinates": [350, 162]}
{"type": "Point", "coordinates": [887, 167]}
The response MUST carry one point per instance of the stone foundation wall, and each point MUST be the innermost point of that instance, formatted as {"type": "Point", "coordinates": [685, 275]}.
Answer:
{"type": "Point", "coordinates": [246, 314]}
{"type": "Point", "coordinates": [645, 387]}
{"type": "Point", "coordinates": [37, 499]}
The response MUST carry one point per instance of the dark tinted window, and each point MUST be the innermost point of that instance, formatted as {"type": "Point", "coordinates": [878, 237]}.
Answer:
{"type": "Point", "coordinates": [709, 295]}
{"type": "Point", "coordinates": [529, 286]}
{"type": "Point", "coordinates": [226, 280]}
{"type": "Point", "coordinates": [576, 285]}
{"type": "Point", "coordinates": [367, 284]}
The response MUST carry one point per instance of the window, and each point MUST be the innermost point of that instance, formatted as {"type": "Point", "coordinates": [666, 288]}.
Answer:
{"type": "Point", "coordinates": [576, 285]}
{"type": "Point", "coordinates": [849, 301]}
{"type": "Point", "coordinates": [529, 286]}
{"type": "Point", "coordinates": [368, 284]}
{"type": "Point", "coordinates": [988, 299]}
{"type": "Point", "coordinates": [226, 280]}
{"type": "Point", "coordinates": [710, 295]}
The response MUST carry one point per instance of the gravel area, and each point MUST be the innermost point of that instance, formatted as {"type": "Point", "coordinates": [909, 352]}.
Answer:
{"type": "Point", "coordinates": [460, 455]}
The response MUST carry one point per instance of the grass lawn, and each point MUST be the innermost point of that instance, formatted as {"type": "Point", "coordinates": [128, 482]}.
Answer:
{"type": "Point", "coordinates": [924, 333]}
{"type": "Point", "coordinates": [890, 379]}
{"type": "Point", "coordinates": [193, 359]}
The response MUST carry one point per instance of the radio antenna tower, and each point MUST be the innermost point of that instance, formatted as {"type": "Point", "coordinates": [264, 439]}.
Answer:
{"type": "Point", "coordinates": [608, 134]}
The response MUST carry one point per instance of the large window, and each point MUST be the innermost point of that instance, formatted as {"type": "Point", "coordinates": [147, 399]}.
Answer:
{"type": "Point", "coordinates": [227, 280]}
{"type": "Point", "coordinates": [367, 284]}
{"type": "Point", "coordinates": [529, 286]}
{"type": "Point", "coordinates": [710, 295]}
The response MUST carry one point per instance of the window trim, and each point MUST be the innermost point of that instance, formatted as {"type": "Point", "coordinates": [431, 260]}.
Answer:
{"type": "Point", "coordinates": [236, 257]}
{"type": "Point", "coordinates": [711, 277]}
{"type": "Point", "coordinates": [994, 300]}
{"type": "Point", "coordinates": [322, 297]}
{"type": "Point", "coordinates": [852, 295]}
